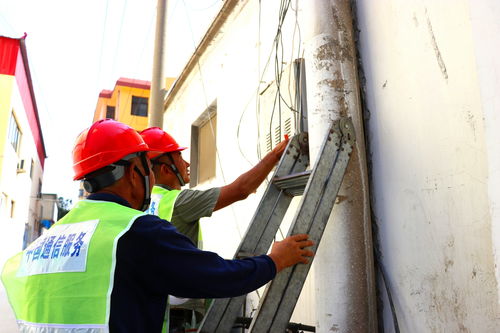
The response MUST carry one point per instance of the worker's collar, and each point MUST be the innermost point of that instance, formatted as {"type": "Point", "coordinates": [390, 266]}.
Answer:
{"type": "Point", "coordinates": [109, 197]}
{"type": "Point", "coordinates": [163, 186]}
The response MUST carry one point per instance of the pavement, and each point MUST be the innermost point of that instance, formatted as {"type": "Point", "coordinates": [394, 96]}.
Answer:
{"type": "Point", "coordinates": [7, 318]}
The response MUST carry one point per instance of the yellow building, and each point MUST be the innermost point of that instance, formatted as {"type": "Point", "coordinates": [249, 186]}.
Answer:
{"type": "Point", "coordinates": [128, 102]}
{"type": "Point", "coordinates": [22, 150]}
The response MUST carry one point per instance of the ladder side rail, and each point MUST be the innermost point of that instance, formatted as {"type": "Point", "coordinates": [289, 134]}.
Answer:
{"type": "Point", "coordinates": [259, 235]}
{"type": "Point", "coordinates": [266, 219]}
{"type": "Point", "coordinates": [223, 312]}
{"type": "Point", "coordinates": [282, 293]}
{"type": "Point", "coordinates": [214, 314]}
{"type": "Point", "coordinates": [299, 274]}
{"type": "Point", "coordinates": [272, 297]}
{"type": "Point", "coordinates": [274, 207]}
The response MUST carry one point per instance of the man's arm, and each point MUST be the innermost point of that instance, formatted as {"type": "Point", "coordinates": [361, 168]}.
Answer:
{"type": "Point", "coordinates": [191, 205]}
{"type": "Point", "coordinates": [248, 182]}
{"type": "Point", "coordinates": [216, 277]}
{"type": "Point", "coordinates": [154, 253]}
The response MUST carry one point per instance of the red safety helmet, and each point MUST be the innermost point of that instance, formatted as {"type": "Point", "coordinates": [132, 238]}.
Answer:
{"type": "Point", "coordinates": [103, 143]}
{"type": "Point", "coordinates": [160, 141]}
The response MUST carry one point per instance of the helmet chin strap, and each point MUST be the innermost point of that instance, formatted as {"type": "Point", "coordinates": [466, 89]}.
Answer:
{"type": "Point", "coordinates": [115, 171]}
{"type": "Point", "coordinates": [147, 193]}
{"type": "Point", "coordinates": [175, 170]}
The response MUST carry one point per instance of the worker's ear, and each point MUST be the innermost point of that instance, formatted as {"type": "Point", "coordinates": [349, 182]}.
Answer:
{"type": "Point", "coordinates": [132, 174]}
{"type": "Point", "coordinates": [129, 173]}
{"type": "Point", "coordinates": [166, 168]}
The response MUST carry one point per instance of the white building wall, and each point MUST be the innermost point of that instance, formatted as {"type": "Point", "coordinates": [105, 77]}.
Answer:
{"type": "Point", "coordinates": [17, 186]}
{"type": "Point", "coordinates": [432, 82]}
{"type": "Point", "coordinates": [432, 105]}
{"type": "Point", "coordinates": [232, 73]}
{"type": "Point", "coordinates": [486, 34]}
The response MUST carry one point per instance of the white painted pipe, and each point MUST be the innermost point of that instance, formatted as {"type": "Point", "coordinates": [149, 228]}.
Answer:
{"type": "Point", "coordinates": [343, 266]}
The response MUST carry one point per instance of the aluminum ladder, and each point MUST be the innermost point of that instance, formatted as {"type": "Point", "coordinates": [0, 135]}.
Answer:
{"type": "Point", "coordinates": [318, 187]}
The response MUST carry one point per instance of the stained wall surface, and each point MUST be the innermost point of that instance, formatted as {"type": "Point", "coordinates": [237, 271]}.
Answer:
{"type": "Point", "coordinates": [432, 104]}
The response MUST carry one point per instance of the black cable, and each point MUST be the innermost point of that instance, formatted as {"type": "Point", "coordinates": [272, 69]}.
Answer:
{"type": "Point", "coordinates": [278, 67]}
{"type": "Point", "coordinates": [391, 302]}
{"type": "Point", "coordinates": [257, 115]}
{"type": "Point", "coordinates": [298, 75]}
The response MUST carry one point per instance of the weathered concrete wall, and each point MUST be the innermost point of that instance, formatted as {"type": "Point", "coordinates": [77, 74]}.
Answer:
{"type": "Point", "coordinates": [486, 34]}
{"type": "Point", "coordinates": [432, 82]}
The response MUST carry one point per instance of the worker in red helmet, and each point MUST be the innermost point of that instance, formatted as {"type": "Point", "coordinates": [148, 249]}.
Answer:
{"type": "Point", "coordinates": [101, 163]}
{"type": "Point", "coordinates": [106, 266]}
{"type": "Point", "coordinates": [184, 207]}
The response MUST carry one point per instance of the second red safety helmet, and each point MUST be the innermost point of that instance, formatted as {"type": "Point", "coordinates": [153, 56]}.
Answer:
{"type": "Point", "coordinates": [160, 141]}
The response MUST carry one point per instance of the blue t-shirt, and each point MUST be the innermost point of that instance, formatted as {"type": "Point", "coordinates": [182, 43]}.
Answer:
{"type": "Point", "coordinates": [153, 261]}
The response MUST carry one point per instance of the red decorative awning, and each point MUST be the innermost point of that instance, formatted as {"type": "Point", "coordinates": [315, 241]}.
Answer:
{"type": "Point", "coordinates": [9, 51]}
{"type": "Point", "coordinates": [14, 61]}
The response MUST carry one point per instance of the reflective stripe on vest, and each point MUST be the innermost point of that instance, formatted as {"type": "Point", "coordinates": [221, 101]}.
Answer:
{"type": "Point", "coordinates": [63, 281]}
{"type": "Point", "coordinates": [25, 327]}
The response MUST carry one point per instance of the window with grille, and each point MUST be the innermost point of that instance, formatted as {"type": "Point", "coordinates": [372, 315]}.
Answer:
{"type": "Point", "coordinates": [110, 112]}
{"type": "Point", "coordinates": [139, 106]}
{"type": "Point", "coordinates": [32, 168]}
{"type": "Point", "coordinates": [14, 133]}
{"type": "Point", "coordinates": [203, 143]}
{"type": "Point", "coordinates": [12, 208]}
{"type": "Point", "coordinates": [282, 111]}
{"type": "Point", "coordinates": [3, 204]}
{"type": "Point", "coordinates": [269, 143]}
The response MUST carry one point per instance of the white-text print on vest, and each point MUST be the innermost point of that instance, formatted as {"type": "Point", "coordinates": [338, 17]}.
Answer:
{"type": "Point", "coordinates": [63, 248]}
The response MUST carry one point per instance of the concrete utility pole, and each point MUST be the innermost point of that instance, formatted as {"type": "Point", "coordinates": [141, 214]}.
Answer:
{"type": "Point", "coordinates": [344, 261]}
{"type": "Point", "coordinates": [158, 90]}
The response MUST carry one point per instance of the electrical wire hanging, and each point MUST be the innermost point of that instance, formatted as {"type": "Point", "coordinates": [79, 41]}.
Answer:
{"type": "Point", "coordinates": [144, 46]}
{"type": "Point", "coordinates": [119, 35]}
{"type": "Point", "coordinates": [240, 234]}
{"type": "Point", "coordinates": [278, 47]}
{"type": "Point", "coordinates": [278, 69]}
{"type": "Point", "coordinates": [99, 71]}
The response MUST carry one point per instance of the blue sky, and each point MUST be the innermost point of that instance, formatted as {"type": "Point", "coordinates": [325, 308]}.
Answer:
{"type": "Point", "coordinates": [78, 48]}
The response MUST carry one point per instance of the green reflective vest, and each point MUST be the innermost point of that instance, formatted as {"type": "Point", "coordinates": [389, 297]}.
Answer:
{"type": "Point", "coordinates": [63, 281]}
{"type": "Point", "coordinates": [162, 202]}
{"type": "Point", "coordinates": [162, 205]}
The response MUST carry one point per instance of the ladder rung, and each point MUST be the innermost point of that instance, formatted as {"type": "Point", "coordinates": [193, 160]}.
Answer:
{"type": "Point", "coordinates": [293, 184]}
